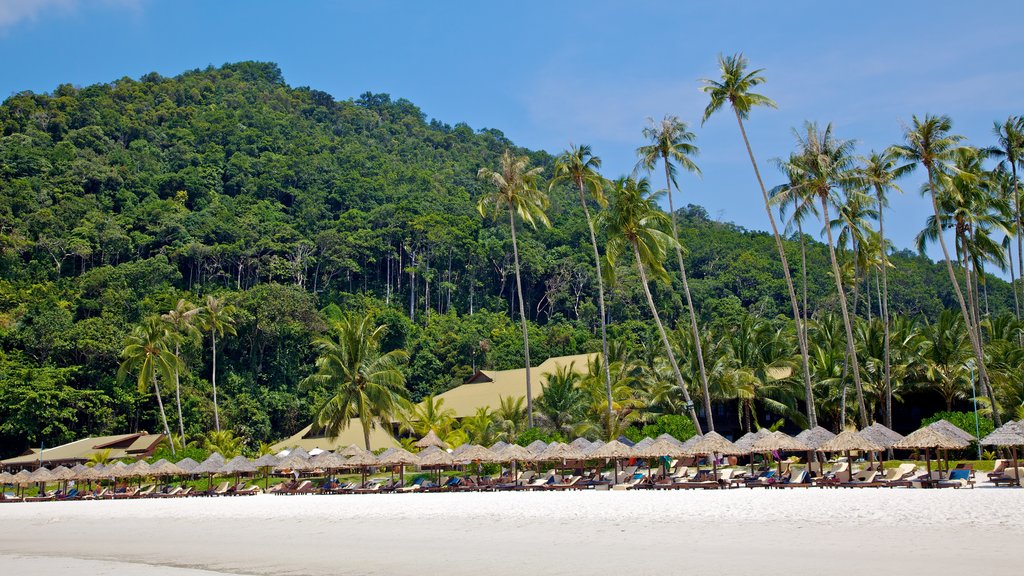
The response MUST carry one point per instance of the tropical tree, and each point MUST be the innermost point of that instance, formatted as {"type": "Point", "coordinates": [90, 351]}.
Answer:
{"type": "Point", "coordinates": [516, 191]}
{"type": "Point", "coordinates": [671, 143]}
{"type": "Point", "coordinates": [929, 142]}
{"type": "Point", "coordinates": [1010, 138]}
{"type": "Point", "coordinates": [148, 355]}
{"type": "Point", "coordinates": [579, 166]}
{"type": "Point", "coordinates": [802, 208]}
{"type": "Point", "coordinates": [825, 165]}
{"type": "Point", "coordinates": [428, 415]}
{"type": "Point", "coordinates": [880, 171]}
{"type": "Point", "coordinates": [563, 402]}
{"type": "Point", "coordinates": [945, 353]}
{"type": "Point", "coordinates": [734, 89]}
{"type": "Point", "coordinates": [182, 320]}
{"type": "Point", "coordinates": [633, 224]}
{"type": "Point", "coordinates": [99, 457]}
{"type": "Point", "coordinates": [217, 318]}
{"type": "Point", "coordinates": [362, 381]}
{"type": "Point", "coordinates": [224, 442]}
{"type": "Point", "coordinates": [479, 427]}
{"type": "Point", "coordinates": [510, 417]}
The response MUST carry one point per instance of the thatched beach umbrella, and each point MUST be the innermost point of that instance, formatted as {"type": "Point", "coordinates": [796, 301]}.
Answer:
{"type": "Point", "coordinates": [815, 437]}
{"type": "Point", "coordinates": [187, 464]}
{"type": "Point", "coordinates": [266, 462]}
{"type": "Point", "coordinates": [350, 451]}
{"type": "Point", "coordinates": [881, 435]}
{"type": "Point", "coordinates": [658, 449]}
{"type": "Point", "coordinates": [328, 461]}
{"type": "Point", "coordinates": [746, 442]}
{"type": "Point", "coordinates": [643, 443]}
{"type": "Point", "coordinates": [431, 439]}
{"type": "Point", "coordinates": [581, 444]}
{"type": "Point", "coordinates": [238, 465]}
{"type": "Point", "coordinates": [927, 438]}
{"type": "Point", "coordinates": [398, 457]}
{"type": "Point", "coordinates": [361, 459]}
{"type": "Point", "coordinates": [615, 451]}
{"type": "Point", "coordinates": [670, 438]}
{"type": "Point", "coordinates": [848, 441]}
{"type": "Point", "coordinates": [779, 442]}
{"type": "Point", "coordinates": [209, 467]}
{"type": "Point", "coordinates": [515, 454]}
{"type": "Point", "coordinates": [1009, 435]}
{"type": "Point", "coordinates": [21, 479]}
{"type": "Point", "coordinates": [434, 457]}
{"type": "Point", "coordinates": [293, 464]}
{"type": "Point", "coordinates": [499, 446]}
{"type": "Point", "coordinates": [299, 452]}
{"type": "Point", "coordinates": [5, 479]}
{"type": "Point", "coordinates": [711, 444]}
{"type": "Point", "coordinates": [537, 446]}
{"type": "Point", "coordinates": [950, 429]}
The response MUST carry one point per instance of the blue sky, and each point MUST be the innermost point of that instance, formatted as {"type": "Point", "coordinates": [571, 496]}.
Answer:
{"type": "Point", "coordinates": [550, 73]}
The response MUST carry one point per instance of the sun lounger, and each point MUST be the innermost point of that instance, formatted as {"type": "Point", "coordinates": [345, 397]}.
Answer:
{"type": "Point", "coordinates": [222, 489]}
{"type": "Point", "coordinates": [958, 478]}
{"type": "Point", "coordinates": [1008, 477]}
{"type": "Point", "coordinates": [798, 478]}
{"type": "Point", "coordinates": [863, 479]}
{"type": "Point", "coordinates": [572, 483]}
{"type": "Point", "coordinates": [1001, 465]}
{"type": "Point", "coordinates": [128, 493]}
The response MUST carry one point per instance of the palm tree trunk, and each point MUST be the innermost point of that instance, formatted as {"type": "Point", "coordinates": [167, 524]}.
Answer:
{"type": "Point", "coordinates": [522, 320]}
{"type": "Point", "coordinates": [163, 414]}
{"type": "Point", "coordinates": [665, 342]}
{"type": "Point", "coordinates": [605, 360]}
{"type": "Point", "coordinates": [851, 351]}
{"type": "Point", "coordinates": [887, 358]}
{"type": "Point", "coordinates": [979, 354]}
{"type": "Point", "coordinates": [689, 303]}
{"type": "Point", "coordinates": [1020, 241]}
{"type": "Point", "coordinates": [803, 273]}
{"type": "Point", "coordinates": [216, 412]}
{"type": "Point", "coordinates": [177, 394]}
{"type": "Point", "coordinates": [812, 419]}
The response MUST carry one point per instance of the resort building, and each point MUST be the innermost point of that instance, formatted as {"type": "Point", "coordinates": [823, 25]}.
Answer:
{"type": "Point", "coordinates": [485, 388]}
{"type": "Point", "coordinates": [137, 445]}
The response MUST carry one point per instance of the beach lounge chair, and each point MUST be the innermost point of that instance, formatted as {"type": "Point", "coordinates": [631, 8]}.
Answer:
{"type": "Point", "coordinates": [127, 493]}
{"type": "Point", "coordinates": [570, 483]}
{"type": "Point", "coordinates": [958, 478]}
{"type": "Point", "coordinates": [798, 478]}
{"type": "Point", "coordinates": [222, 489]}
{"type": "Point", "coordinates": [762, 480]}
{"type": "Point", "coordinates": [899, 476]}
{"type": "Point", "coordinates": [1000, 466]}
{"type": "Point", "coordinates": [249, 491]}
{"type": "Point", "coordinates": [147, 491]}
{"type": "Point", "coordinates": [863, 479]}
{"type": "Point", "coordinates": [1008, 477]}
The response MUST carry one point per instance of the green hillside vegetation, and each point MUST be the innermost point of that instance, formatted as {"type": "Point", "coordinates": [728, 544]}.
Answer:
{"type": "Point", "coordinates": [271, 213]}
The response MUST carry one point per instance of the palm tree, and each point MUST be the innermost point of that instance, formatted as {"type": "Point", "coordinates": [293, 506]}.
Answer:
{"type": "Point", "coordinates": [510, 417]}
{"type": "Point", "coordinates": [734, 89]}
{"type": "Point", "coordinates": [217, 319]}
{"type": "Point", "coordinates": [671, 143]}
{"type": "Point", "coordinates": [928, 142]}
{"type": "Point", "coordinates": [429, 415]}
{"type": "Point", "coordinates": [1010, 135]}
{"type": "Point", "coordinates": [563, 402]}
{"type": "Point", "coordinates": [633, 223]}
{"type": "Point", "coordinates": [579, 166]}
{"type": "Point", "coordinates": [148, 354]}
{"type": "Point", "coordinates": [880, 172]}
{"type": "Point", "coordinates": [803, 208]}
{"type": "Point", "coordinates": [516, 191]}
{"type": "Point", "coordinates": [479, 427]}
{"type": "Point", "coordinates": [945, 354]}
{"type": "Point", "coordinates": [362, 381]}
{"type": "Point", "coordinates": [98, 457]}
{"type": "Point", "coordinates": [223, 442]}
{"type": "Point", "coordinates": [182, 320]}
{"type": "Point", "coordinates": [825, 165]}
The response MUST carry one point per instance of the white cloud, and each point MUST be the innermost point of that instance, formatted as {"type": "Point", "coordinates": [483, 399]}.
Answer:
{"type": "Point", "coordinates": [13, 12]}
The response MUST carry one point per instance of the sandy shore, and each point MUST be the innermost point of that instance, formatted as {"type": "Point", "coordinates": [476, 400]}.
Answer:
{"type": "Point", "coordinates": [928, 531]}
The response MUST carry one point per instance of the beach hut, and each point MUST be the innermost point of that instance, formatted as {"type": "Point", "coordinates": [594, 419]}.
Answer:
{"type": "Point", "coordinates": [431, 439]}
{"type": "Point", "coordinates": [266, 462]}
{"type": "Point", "coordinates": [930, 438]}
{"type": "Point", "coordinates": [779, 442]}
{"type": "Point", "coordinates": [1009, 435]}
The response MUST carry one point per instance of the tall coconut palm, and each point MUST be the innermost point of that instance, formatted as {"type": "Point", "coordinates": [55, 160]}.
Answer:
{"type": "Point", "coordinates": [362, 381]}
{"type": "Point", "coordinates": [880, 171]}
{"type": "Point", "coordinates": [734, 89]}
{"type": "Point", "coordinates": [1010, 138]}
{"type": "Point", "coordinates": [803, 208]}
{"type": "Point", "coordinates": [148, 354]}
{"type": "Point", "coordinates": [579, 166]}
{"type": "Point", "coordinates": [182, 320]}
{"type": "Point", "coordinates": [929, 142]}
{"type": "Point", "coordinates": [217, 318]}
{"type": "Point", "coordinates": [945, 353]}
{"type": "Point", "coordinates": [633, 224]}
{"type": "Point", "coordinates": [516, 191]}
{"type": "Point", "coordinates": [563, 402]}
{"type": "Point", "coordinates": [671, 143]}
{"type": "Point", "coordinates": [825, 165]}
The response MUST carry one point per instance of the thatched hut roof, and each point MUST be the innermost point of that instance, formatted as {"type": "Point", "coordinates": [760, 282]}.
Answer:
{"type": "Point", "coordinates": [670, 438]}
{"type": "Point", "coordinates": [746, 442]}
{"type": "Point", "coordinates": [187, 464]}
{"type": "Point", "coordinates": [164, 468]}
{"type": "Point", "coordinates": [779, 441]}
{"type": "Point", "coordinates": [514, 452]}
{"type": "Point", "coordinates": [613, 450]}
{"type": "Point", "coordinates": [293, 464]}
{"type": "Point", "coordinates": [1009, 434]}
{"type": "Point", "coordinates": [238, 465]}
{"type": "Point", "coordinates": [581, 444]}
{"type": "Point", "coordinates": [327, 461]}
{"type": "Point", "coordinates": [22, 477]}
{"type": "Point", "coordinates": [881, 435]}
{"type": "Point", "coordinates": [397, 457]}
{"type": "Point", "coordinates": [209, 466]}
{"type": "Point", "coordinates": [815, 437]}
{"type": "Point", "coordinates": [850, 440]}
{"type": "Point", "coordinates": [952, 430]}
{"type": "Point", "coordinates": [266, 461]}
{"type": "Point", "coordinates": [431, 439]}
{"type": "Point", "coordinates": [116, 470]}
{"type": "Point", "coordinates": [657, 449]}
{"type": "Point", "coordinates": [434, 456]}
{"type": "Point", "coordinates": [350, 451]}
{"type": "Point", "coordinates": [61, 473]}
{"type": "Point", "coordinates": [537, 446]}
{"type": "Point", "coordinates": [300, 452]}
{"type": "Point", "coordinates": [41, 475]}
{"type": "Point", "coordinates": [560, 451]}
{"type": "Point", "coordinates": [713, 443]}
{"type": "Point", "coordinates": [499, 446]}
{"type": "Point", "coordinates": [361, 459]}
{"type": "Point", "coordinates": [929, 437]}
{"type": "Point", "coordinates": [644, 443]}
{"type": "Point", "coordinates": [139, 469]}
{"type": "Point", "coordinates": [475, 453]}
{"type": "Point", "coordinates": [6, 477]}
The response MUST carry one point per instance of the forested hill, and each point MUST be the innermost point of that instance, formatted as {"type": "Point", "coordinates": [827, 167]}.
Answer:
{"type": "Point", "coordinates": [119, 199]}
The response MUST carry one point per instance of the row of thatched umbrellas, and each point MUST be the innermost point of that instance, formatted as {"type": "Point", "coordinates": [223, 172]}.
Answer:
{"type": "Point", "coordinates": [434, 454]}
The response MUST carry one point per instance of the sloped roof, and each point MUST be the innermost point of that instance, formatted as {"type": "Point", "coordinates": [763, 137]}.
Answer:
{"type": "Point", "coordinates": [120, 446]}
{"type": "Point", "coordinates": [353, 434]}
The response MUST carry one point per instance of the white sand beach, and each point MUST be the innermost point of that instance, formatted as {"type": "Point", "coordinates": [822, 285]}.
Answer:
{"type": "Point", "coordinates": [841, 531]}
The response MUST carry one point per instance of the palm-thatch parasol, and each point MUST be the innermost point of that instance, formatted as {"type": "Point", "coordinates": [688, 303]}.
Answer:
{"type": "Point", "coordinates": [187, 464]}
{"type": "Point", "coordinates": [361, 459]}
{"type": "Point", "coordinates": [670, 438]}
{"type": "Point", "coordinates": [537, 446]}
{"type": "Point", "coordinates": [848, 441]}
{"type": "Point", "coordinates": [513, 453]}
{"type": "Point", "coordinates": [779, 442]}
{"type": "Point", "coordinates": [21, 479]}
{"type": "Point", "coordinates": [266, 462]}
{"type": "Point", "coordinates": [613, 450]}
{"type": "Point", "coordinates": [815, 437]}
{"type": "Point", "coordinates": [1010, 434]}
{"type": "Point", "coordinates": [300, 452]}
{"type": "Point", "coordinates": [474, 453]}
{"type": "Point", "coordinates": [293, 464]}
{"type": "Point", "coordinates": [746, 442]}
{"type": "Point", "coordinates": [41, 476]}
{"type": "Point", "coordinates": [711, 444]}
{"type": "Point", "coordinates": [209, 467]}
{"type": "Point", "coordinates": [581, 444]}
{"type": "Point", "coordinates": [238, 465]}
{"type": "Point", "coordinates": [644, 443]}
{"type": "Point", "coordinates": [5, 479]}
{"type": "Point", "coordinates": [139, 469]}
{"type": "Point", "coordinates": [398, 457]}
{"type": "Point", "coordinates": [431, 439]}
{"type": "Point", "coordinates": [660, 449]}
{"type": "Point", "coordinates": [434, 457]}
{"type": "Point", "coordinates": [950, 429]}
{"type": "Point", "coordinates": [559, 451]}
{"type": "Point", "coordinates": [499, 446]}
{"type": "Point", "coordinates": [927, 438]}
{"type": "Point", "coordinates": [165, 468]}
{"type": "Point", "coordinates": [349, 451]}
{"type": "Point", "coordinates": [328, 461]}
{"type": "Point", "coordinates": [881, 435]}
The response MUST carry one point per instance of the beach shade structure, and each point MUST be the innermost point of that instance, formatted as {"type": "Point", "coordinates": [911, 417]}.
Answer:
{"type": "Point", "coordinates": [398, 457]}
{"type": "Point", "coordinates": [327, 461]}
{"type": "Point", "coordinates": [815, 437]}
{"type": "Point", "coordinates": [779, 442]}
{"type": "Point", "coordinates": [499, 446]}
{"type": "Point", "coordinates": [474, 453]}
{"type": "Point", "coordinates": [293, 464]}
{"type": "Point", "coordinates": [266, 463]}
{"type": "Point", "coordinates": [928, 438]}
{"type": "Point", "coordinates": [431, 439]}
{"type": "Point", "coordinates": [81, 473]}
{"type": "Point", "coordinates": [139, 469]}
{"type": "Point", "coordinates": [187, 464]}
{"type": "Point", "coordinates": [848, 441]}
{"type": "Point", "coordinates": [5, 479]}
{"type": "Point", "coordinates": [316, 452]}
{"type": "Point", "coordinates": [237, 466]}
{"type": "Point", "coordinates": [581, 444]}
{"type": "Point", "coordinates": [711, 444]}
{"type": "Point", "coordinates": [1009, 435]}
{"type": "Point", "coordinates": [615, 451]}
{"type": "Point", "coordinates": [209, 467]}
{"type": "Point", "coordinates": [537, 446]}
{"type": "Point", "coordinates": [950, 429]}
{"type": "Point", "coordinates": [361, 460]}
{"type": "Point", "coordinates": [557, 451]}
{"type": "Point", "coordinates": [644, 443]}
{"type": "Point", "coordinates": [349, 451]}
{"type": "Point", "coordinates": [670, 438]}
{"type": "Point", "coordinates": [41, 476]}
{"type": "Point", "coordinates": [21, 479]}
{"type": "Point", "coordinates": [746, 442]}
{"type": "Point", "coordinates": [434, 457]}
{"type": "Point", "coordinates": [299, 452]}
{"type": "Point", "coordinates": [515, 454]}
{"type": "Point", "coordinates": [660, 450]}
{"type": "Point", "coordinates": [881, 435]}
